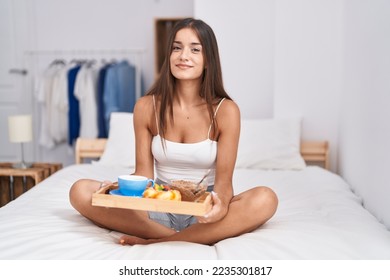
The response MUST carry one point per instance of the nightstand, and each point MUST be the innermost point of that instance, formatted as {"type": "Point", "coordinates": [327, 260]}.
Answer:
{"type": "Point", "coordinates": [15, 181]}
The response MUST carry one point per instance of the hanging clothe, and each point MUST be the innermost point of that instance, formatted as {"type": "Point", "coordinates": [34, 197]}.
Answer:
{"type": "Point", "coordinates": [102, 129]}
{"type": "Point", "coordinates": [60, 105]}
{"type": "Point", "coordinates": [119, 90]}
{"type": "Point", "coordinates": [74, 110]}
{"type": "Point", "coordinates": [85, 91]}
{"type": "Point", "coordinates": [44, 96]}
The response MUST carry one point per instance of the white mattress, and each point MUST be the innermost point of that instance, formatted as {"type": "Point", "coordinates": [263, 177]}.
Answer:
{"type": "Point", "coordinates": [318, 218]}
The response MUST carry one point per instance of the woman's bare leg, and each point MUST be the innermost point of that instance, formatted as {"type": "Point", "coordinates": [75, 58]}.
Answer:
{"type": "Point", "coordinates": [123, 220]}
{"type": "Point", "coordinates": [247, 211]}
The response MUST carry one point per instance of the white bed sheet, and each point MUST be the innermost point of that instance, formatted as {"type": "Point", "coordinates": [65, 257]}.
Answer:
{"type": "Point", "coordinates": [318, 218]}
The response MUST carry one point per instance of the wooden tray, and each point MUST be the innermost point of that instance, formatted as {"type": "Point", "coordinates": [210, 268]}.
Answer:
{"type": "Point", "coordinates": [197, 208]}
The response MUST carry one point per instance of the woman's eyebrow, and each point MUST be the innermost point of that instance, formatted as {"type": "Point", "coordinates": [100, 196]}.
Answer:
{"type": "Point", "coordinates": [193, 43]}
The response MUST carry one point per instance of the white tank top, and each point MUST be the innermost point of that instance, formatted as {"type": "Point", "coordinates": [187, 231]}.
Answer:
{"type": "Point", "coordinates": [184, 160]}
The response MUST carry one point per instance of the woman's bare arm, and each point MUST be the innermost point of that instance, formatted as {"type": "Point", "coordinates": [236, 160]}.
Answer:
{"type": "Point", "coordinates": [228, 119]}
{"type": "Point", "coordinates": [143, 114]}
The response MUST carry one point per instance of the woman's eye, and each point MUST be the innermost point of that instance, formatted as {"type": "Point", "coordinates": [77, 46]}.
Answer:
{"type": "Point", "coordinates": [176, 48]}
{"type": "Point", "coordinates": [195, 50]}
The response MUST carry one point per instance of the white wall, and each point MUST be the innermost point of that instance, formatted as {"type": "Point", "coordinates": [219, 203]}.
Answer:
{"type": "Point", "coordinates": [245, 34]}
{"type": "Point", "coordinates": [365, 120]}
{"type": "Point", "coordinates": [308, 67]}
{"type": "Point", "coordinates": [282, 58]}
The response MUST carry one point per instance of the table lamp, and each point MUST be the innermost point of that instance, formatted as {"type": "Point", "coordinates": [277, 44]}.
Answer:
{"type": "Point", "coordinates": [20, 131]}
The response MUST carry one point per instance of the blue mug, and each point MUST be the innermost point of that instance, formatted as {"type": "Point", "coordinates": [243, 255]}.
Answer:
{"type": "Point", "coordinates": [133, 185]}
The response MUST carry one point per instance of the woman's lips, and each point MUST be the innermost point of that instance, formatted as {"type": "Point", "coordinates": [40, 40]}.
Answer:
{"type": "Point", "coordinates": [183, 66]}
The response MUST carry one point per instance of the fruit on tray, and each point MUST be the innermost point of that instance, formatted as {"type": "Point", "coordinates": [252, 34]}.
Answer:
{"type": "Point", "coordinates": [161, 187]}
{"type": "Point", "coordinates": [162, 192]}
{"type": "Point", "coordinates": [169, 195]}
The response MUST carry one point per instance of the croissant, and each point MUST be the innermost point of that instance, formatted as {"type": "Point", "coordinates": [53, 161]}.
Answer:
{"type": "Point", "coordinates": [162, 194]}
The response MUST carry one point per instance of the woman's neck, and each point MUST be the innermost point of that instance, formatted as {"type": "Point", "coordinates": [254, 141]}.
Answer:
{"type": "Point", "coordinates": [187, 93]}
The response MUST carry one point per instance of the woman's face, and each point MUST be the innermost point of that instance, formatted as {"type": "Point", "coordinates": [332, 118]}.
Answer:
{"type": "Point", "coordinates": [186, 59]}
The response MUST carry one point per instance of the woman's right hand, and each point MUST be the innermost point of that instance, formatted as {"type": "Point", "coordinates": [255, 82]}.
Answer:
{"type": "Point", "coordinates": [217, 212]}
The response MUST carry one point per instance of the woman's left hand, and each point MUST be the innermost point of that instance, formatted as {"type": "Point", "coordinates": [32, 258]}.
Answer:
{"type": "Point", "coordinates": [217, 212]}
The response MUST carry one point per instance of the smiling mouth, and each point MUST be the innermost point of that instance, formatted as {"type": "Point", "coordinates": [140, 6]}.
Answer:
{"type": "Point", "coordinates": [183, 66]}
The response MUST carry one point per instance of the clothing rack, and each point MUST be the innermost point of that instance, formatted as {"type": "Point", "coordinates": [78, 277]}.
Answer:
{"type": "Point", "coordinates": [36, 60]}
{"type": "Point", "coordinates": [134, 54]}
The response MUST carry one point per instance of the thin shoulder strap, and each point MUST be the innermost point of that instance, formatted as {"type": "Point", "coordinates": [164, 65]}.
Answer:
{"type": "Point", "coordinates": [219, 105]}
{"type": "Point", "coordinates": [155, 114]}
{"type": "Point", "coordinates": [215, 114]}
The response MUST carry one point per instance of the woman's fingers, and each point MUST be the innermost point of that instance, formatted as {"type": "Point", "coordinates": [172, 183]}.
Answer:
{"type": "Point", "coordinates": [214, 213]}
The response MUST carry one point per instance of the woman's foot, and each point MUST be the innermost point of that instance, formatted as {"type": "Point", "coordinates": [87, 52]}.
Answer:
{"type": "Point", "coordinates": [134, 240]}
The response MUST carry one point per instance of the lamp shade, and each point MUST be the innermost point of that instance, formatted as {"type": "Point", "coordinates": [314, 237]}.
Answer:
{"type": "Point", "coordinates": [20, 128]}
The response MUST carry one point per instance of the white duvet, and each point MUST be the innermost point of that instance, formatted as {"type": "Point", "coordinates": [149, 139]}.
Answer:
{"type": "Point", "coordinates": [318, 218]}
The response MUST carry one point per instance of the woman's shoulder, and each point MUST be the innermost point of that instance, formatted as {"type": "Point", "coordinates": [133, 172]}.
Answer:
{"type": "Point", "coordinates": [144, 110]}
{"type": "Point", "coordinates": [228, 107]}
{"type": "Point", "coordinates": [228, 116]}
{"type": "Point", "coordinates": [144, 115]}
{"type": "Point", "coordinates": [144, 103]}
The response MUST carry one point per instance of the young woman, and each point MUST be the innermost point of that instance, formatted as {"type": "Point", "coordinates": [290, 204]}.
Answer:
{"type": "Point", "coordinates": [184, 126]}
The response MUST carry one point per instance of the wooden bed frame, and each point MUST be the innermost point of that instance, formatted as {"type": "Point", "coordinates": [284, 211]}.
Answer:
{"type": "Point", "coordinates": [316, 152]}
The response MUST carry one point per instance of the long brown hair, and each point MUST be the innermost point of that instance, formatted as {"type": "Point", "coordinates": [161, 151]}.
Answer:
{"type": "Point", "coordinates": [211, 88]}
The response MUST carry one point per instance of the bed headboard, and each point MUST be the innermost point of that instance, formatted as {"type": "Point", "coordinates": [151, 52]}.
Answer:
{"type": "Point", "coordinates": [89, 148]}
{"type": "Point", "coordinates": [316, 152]}
{"type": "Point", "coordinates": [312, 151]}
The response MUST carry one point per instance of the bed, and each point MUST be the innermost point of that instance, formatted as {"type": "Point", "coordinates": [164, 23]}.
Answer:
{"type": "Point", "coordinates": [318, 218]}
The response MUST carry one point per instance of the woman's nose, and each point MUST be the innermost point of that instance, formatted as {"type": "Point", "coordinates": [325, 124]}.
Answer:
{"type": "Point", "coordinates": [184, 54]}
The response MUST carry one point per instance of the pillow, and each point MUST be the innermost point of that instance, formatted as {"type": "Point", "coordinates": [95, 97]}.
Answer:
{"type": "Point", "coordinates": [270, 144]}
{"type": "Point", "coordinates": [120, 147]}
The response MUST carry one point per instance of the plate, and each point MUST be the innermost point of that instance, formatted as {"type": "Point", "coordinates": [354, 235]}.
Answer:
{"type": "Point", "coordinates": [116, 192]}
